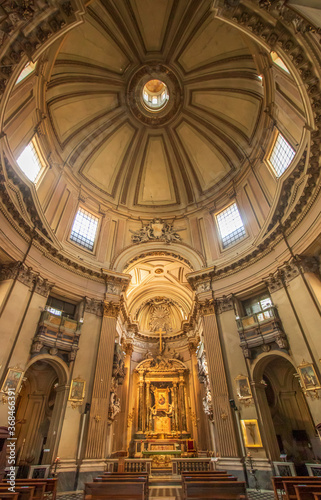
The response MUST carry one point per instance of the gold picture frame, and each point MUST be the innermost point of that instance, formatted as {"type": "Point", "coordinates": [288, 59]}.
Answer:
{"type": "Point", "coordinates": [13, 380]}
{"type": "Point", "coordinates": [77, 390]}
{"type": "Point", "coordinates": [308, 376]}
{"type": "Point", "coordinates": [161, 399]}
{"type": "Point", "coordinates": [243, 387]}
{"type": "Point", "coordinates": [251, 433]}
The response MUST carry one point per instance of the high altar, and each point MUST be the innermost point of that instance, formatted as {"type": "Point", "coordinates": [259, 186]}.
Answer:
{"type": "Point", "coordinates": [161, 430]}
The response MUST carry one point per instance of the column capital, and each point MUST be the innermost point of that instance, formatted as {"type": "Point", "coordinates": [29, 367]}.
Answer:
{"type": "Point", "coordinates": [224, 304]}
{"type": "Point", "coordinates": [201, 282]}
{"type": "Point", "coordinates": [208, 307]}
{"type": "Point", "coordinates": [94, 306]}
{"type": "Point", "coordinates": [27, 276]}
{"type": "Point", "coordinates": [308, 264]}
{"type": "Point", "coordinates": [193, 344]}
{"type": "Point", "coordinates": [128, 346]}
{"type": "Point", "coordinates": [116, 283]}
{"type": "Point", "coordinates": [111, 309]}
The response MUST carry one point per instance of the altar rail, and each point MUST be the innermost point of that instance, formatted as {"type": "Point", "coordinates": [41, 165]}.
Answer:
{"type": "Point", "coordinates": [180, 465]}
{"type": "Point", "coordinates": [130, 465]}
{"type": "Point", "coordinates": [138, 465]}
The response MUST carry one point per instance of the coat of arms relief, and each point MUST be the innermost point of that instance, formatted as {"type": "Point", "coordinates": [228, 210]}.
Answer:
{"type": "Point", "coordinates": [158, 230]}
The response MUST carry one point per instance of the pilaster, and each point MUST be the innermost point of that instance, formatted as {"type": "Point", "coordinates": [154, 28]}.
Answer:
{"type": "Point", "coordinates": [97, 444]}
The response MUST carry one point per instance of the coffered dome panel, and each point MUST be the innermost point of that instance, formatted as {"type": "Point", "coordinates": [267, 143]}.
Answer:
{"type": "Point", "coordinates": [95, 47]}
{"type": "Point", "coordinates": [156, 182]}
{"type": "Point", "coordinates": [152, 20]}
{"type": "Point", "coordinates": [208, 45]}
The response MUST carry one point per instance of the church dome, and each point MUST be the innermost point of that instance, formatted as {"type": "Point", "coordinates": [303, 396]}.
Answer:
{"type": "Point", "coordinates": [165, 156]}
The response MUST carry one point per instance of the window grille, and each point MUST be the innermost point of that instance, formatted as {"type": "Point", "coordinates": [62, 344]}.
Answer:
{"type": "Point", "coordinates": [84, 229]}
{"type": "Point", "coordinates": [281, 156]}
{"type": "Point", "coordinates": [230, 225]}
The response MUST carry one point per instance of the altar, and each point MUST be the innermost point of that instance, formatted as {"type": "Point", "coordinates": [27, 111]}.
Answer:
{"type": "Point", "coordinates": [162, 408]}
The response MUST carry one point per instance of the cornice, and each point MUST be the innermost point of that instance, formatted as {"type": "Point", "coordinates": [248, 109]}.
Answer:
{"type": "Point", "coordinates": [290, 270]}
{"type": "Point", "coordinates": [25, 275]}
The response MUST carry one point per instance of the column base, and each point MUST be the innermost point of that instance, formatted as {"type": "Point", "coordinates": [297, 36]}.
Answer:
{"type": "Point", "coordinates": [66, 473]}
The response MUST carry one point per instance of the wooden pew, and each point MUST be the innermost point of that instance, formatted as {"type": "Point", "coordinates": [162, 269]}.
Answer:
{"type": "Point", "coordinates": [278, 482]}
{"type": "Point", "coordinates": [204, 479]}
{"type": "Point", "coordinates": [51, 484]}
{"type": "Point", "coordinates": [39, 485]}
{"type": "Point", "coordinates": [124, 478]}
{"type": "Point", "coordinates": [8, 496]}
{"type": "Point", "coordinates": [24, 492]}
{"type": "Point", "coordinates": [215, 490]}
{"type": "Point", "coordinates": [289, 486]}
{"type": "Point", "coordinates": [317, 496]}
{"type": "Point", "coordinates": [206, 473]}
{"type": "Point", "coordinates": [115, 491]}
{"type": "Point", "coordinates": [307, 491]}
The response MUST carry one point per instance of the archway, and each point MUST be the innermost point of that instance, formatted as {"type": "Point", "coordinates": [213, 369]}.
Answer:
{"type": "Point", "coordinates": [286, 418]}
{"type": "Point", "coordinates": [39, 409]}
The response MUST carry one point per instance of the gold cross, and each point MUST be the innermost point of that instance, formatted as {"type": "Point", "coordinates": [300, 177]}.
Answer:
{"type": "Point", "coordinates": [160, 331]}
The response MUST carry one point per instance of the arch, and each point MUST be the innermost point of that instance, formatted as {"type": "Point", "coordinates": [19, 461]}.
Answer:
{"type": "Point", "coordinates": [58, 365]}
{"type": "Point", "coordinates": [287, 422]}
{"type": "Point", "coordinates": [176, 251]}
{"type": "Point", "coordinates": [263, 360]}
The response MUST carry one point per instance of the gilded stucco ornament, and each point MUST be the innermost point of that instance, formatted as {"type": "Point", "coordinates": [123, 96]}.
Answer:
{"type": "Point", "coordinates": [156, 230]}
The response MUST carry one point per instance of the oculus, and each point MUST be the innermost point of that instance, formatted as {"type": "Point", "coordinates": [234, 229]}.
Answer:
{"type": "Point", "coordinates": [155, 95]}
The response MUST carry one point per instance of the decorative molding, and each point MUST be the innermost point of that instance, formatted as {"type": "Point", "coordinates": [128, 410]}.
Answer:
{"type": "Point", "coordinates": [162, 253]}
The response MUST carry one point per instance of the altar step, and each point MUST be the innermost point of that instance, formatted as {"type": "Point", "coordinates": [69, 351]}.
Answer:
{"type": "Point", "coordinates": [162, 472]}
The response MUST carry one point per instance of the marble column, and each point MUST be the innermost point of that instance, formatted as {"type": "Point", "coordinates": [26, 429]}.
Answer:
{"type": "Point", "coordinates": [224, 425]}
{"type": "Point", "coordinates": [182, 403]}
{"type": "Point", "coordinates": [147, 427]}
{"type": "Point", "coordinates": [140, 404]}
{"type": "Point", "coordinates": [98, 419]}
{"type": "Point", "coordinates": [120, 424]}
{"type": "Point", "coordinates": [175, 406]}
{"type": "Point", "coordinates": [201, 424]}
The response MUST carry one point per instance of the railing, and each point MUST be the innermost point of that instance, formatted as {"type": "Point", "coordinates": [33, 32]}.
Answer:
{"type": "Point", "coordinates": [258, 323]}
{"type": "Point", "coordinates": [261, 328]}
{"type": "Point", "coordinates": [138, 465]}
{"type": "Point", "coordinates": [314, 469]}
{"type": "Point", "coordinates": [58, 333]}
{"type": "Point", "coordinates": [180, 465]}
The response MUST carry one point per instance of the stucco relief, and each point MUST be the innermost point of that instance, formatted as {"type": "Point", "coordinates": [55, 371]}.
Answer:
{"type": "Point", "coordinates": [158, 230]}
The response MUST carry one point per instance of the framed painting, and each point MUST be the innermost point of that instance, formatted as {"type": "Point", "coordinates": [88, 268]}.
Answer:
{"type": "Point", "coordinates": [13, 380]}
{"type": "Point", "coordinates": [243, 387]}
{"type": "Point", "coordinates": [161, 399]}
{"type": "Point", "coordinates": [251, 433]}
{"type": "Point", "coordinates": [77, 390]}
{"type": "Point", "coordinates": [308, 377]}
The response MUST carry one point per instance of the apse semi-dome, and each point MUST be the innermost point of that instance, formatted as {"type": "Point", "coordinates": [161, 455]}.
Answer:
{"type": "Point", "coordinates": [143, 145]}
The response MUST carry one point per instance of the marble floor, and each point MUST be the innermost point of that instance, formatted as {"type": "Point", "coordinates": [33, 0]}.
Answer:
{"type": "Point", "coordinates": [170, 493]}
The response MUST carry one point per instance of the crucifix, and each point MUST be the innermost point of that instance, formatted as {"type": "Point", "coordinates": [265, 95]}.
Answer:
{"type": "Point", "coordinates": [160, 331]}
